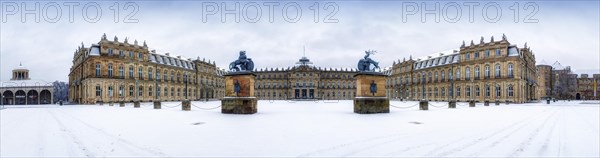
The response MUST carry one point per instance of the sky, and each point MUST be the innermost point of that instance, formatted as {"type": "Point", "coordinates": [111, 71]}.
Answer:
{"type": "Point", "coordinates": [330, 33]}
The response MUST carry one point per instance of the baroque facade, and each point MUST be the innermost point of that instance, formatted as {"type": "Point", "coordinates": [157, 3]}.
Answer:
{"type": "Point", "coordinates": [305, 81]}
{"type": "Point", "coordinates": [488, 71]}
{"type": "Point", "coordinates": [112, 71]}
{"type": "Point", "coordinates": [587, 87]}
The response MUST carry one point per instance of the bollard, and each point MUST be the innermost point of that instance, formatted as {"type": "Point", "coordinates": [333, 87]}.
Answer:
{"type": "Point", "coordinates": [497, 102]}
{"type": "Point", "coordinates": [506, 102]}
{"type": "Point", "coordinates": [156, 104]}
{"type": "Point", "coordinates": [186, 105]}
{"type": "Point", "coordinates": [547, 101]}
{"type": "Point", "coordinates": [101, 103]}
{"type": "Point", "coordinates": [472, 103]}
{"type": "Point", "coordinates": [452, 104]}
{"type": "Point", "coordinates": [121, 103]}
{"type": "Point", "coordinates": [423, 105]}
{"type": "Point", "coordinates": [110, 103]}
{"type": "Point", "coordinates": [136, 104]}
{"type": "Point", "coordinates": [486, 103]}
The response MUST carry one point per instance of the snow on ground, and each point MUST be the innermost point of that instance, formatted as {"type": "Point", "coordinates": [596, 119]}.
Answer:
{"type": "Point", "coordinates": [302, 129]}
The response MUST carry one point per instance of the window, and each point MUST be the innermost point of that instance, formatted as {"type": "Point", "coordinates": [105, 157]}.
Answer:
{"type": "Point", "coordinates": [498, 52]}
{"type": "Point", "coordinates": [158, 74]}
{"type": "Point", "coordinates": [166, 75]}
{"type": "Point", "coordinates": [477, 72]}
{"type": "Point", "coordinates": [467, 73]}
{"type": "Point", "coordinates": [510, 70]}
{"type": "Point", "coordinates": [436, 76]}
{"type": "Point", "coordinates": [458, 91]}
{"type": "Point", "coordinates": [141, 91]}
{"type": "Point", "coordinates": [150, 73]}
{"type": "Point", "coordinates": [458, 74]}
{"type": "Point", "coordinates": [468, 91]}
{"type": "Point", "coordinates": [98, 91]}
{"type": "Point", "coordinates": [430, 77]}
{"type": "Point", "coordinates": [158, 91]}
{"type": "Point", "coordinates": [121, 53]}
{"type": "Point", "coordinates": [467, 56]}
{"type": "Point", "coordinates": [487, 71]}
{"type": "Point", "coordinates": [131, 72]}
{"type": "Point", "coordinates": [487, 91]}
{"type": "Point", "coordinates": [97, 70]}
{"type": "Point", "coordinates": [141, 72]}
{"type": "Point", "coordinates": [487, 53]}
{"type": "Point", "coordinates": [121, 91]}
{"type": "Point", "coordinates": [110, 70]}
{"type": "Point", "coordinates": [110, 91]}
{"type": "Point", "coordinates": [443, 92]}
{"type": "Point", "coordinates": [141, 56]}
{"type": "Point", "coordinates": [131, 91]}
{"type": "Point", "coordinates": [121, 71]}
{"type": "Point", "coordinates": [497, 70]}
{"type": "Point", "coordinates": [443, 75]}
{"type": "Point", "coordinates": [436, 91]}
{"type": "Point", "coordinates": [497, 91]}
{"type": "Point", "coordinates": [476, 55]}
{"type": "Point", "coordinates": [150, 91]}
{"type": "Point", "coordinates": [510, 90]}
{"type": "Point", "coordinates": [131, 54]}
{"type": "Point", "coordinates": [166, 92]}
{"type": "Point", "coordinates": [449, 75]}
{"type": "Point", "coordinates": [172, 91]}
{"type": "Point", "coordinates": [477, 91]}
{"type": "Point", "coordinates": [110, 51]}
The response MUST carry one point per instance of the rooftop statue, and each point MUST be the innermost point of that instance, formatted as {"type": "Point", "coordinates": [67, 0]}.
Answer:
{"type": "Point", "coordinates": [243, 63]}
{"type": "Point", "coordinates": [365, 63]}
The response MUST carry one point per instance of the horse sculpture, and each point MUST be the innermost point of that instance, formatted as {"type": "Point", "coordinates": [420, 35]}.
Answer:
{"type": "Point", "coordinates": [365, 64]}
{"type": "Point", "coordinates": [242, 64]}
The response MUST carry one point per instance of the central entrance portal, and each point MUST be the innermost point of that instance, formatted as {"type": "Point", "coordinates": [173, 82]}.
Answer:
{"type": "Point", "coordinates": [304, 93]}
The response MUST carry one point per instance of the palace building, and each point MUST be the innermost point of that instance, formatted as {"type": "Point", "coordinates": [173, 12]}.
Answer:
{"type": "Point", "coordinates": [21, 90]}
{"type": "Point", "coordinates": [305, 81]}
{"type": "Point", "coordinates": [112, 71]}
{"type": "Point", "coordinates": [488, 71]}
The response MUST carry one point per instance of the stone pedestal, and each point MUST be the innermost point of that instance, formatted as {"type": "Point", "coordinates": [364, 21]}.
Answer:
{"type": "Point", "coordinates": [371, 105]}
{"type": "Point", "coordinates": [243, 102]}
{"type": "Point", "coordinates": [186, 105]}
{"type": "Point", "coordinates": [101, 103]}
{"type": "Point", "coordinates": [367, 102]}
{"type": "Point", "coordinates": [472, 103]}
{"type": "Point", "coordinates": [121, 103]}
{"type": "Point", "coordinates": [486, 103]}
{"type": "Point", "coordinates": [497, 102]}
{"type": "Point", "coordinates": [136, 104]}
{"type": "Point", "coordinates": [239, 105]}
{"type": "Point", "coordinates": [423, 105]}
{"type": "Point", "coordinates": [452, 104]}
{"type": "Point", "coordinates": [157, 105]}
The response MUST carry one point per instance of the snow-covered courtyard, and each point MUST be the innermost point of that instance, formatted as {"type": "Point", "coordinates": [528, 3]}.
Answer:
{"type": "Point", "coordinates": [302, 129]}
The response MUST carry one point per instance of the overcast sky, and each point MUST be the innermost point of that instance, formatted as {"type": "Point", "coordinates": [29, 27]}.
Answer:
{"type": "Point", "coordinates": [563, 31]}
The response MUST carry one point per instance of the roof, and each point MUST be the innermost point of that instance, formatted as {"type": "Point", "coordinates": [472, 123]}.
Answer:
{"type": "Point", "coordinates": [25, 83]}
{"type": "Point", "coordinates": [438, 59]}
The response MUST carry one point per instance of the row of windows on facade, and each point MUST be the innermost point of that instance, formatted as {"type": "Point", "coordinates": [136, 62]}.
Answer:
{"type": "Point", "coordinates": [284, 94]}
{"type": "Point", "coordinates": [150, 74]}
{"type": "Point", "coordinates": [458, 75]}
{"type": "Point", "coordinates": [163, 60]}
{"type": "Point", "coordinates": [310, 84]}
{"type": "Point", "coordinates": [304, 74]}
{"type": "Point", "coordinates": [140, 91]}
{"type": "Point", "coordinates": [435, 91]}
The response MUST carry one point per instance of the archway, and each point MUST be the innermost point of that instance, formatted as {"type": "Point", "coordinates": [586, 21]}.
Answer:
{"type": "Point", "coordinates": [32, 97]}
{"type": "Point", "coordinates": [20, 97]}
{"type": "Point", "coordinates": [8, 98]}
{"type": "Point", "coordinates": [45, 97]}
{"type": "Point", "coordinates": [578, 96]}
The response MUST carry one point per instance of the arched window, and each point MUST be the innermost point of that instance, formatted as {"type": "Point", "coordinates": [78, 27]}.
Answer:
{"type": "Point", "coordinates": [458, 91]}
{"type": "Point", "coordinates": [131, 91]}
{"type": "Point", "coordinates": [443, 92]}
{"type": "Point", "coordinates": [110, 70]}
{"type": "Point", "coordinates": [430, 77]}
{"type": "Point", "coordinates": [141, 72]}
{"type": "Point", "coordinates": [510, 90]}
{"type": "Point", "coordinates": [458, 74]}
{"type": "Point", "coordinates": [487, 91]}
{"type": "Point", "coordinates": [467, 73]}
{"type": "Point", "coordinates": [468, 91]}
{"type": "Point", "coordinates": [487, 71]}
{"type": "Point", "coordinates": [130, 71]}
{"type": "Point", "coordinates": [121, 72]}
{"type": "Point", "coordinates": [158, 75]}
{"type": "Point", "coordinates": [436, 76]}
{"type": "Point", "coordinates": [497, 70]}
{"type": "Point", "coordinates": [141, 91]}
{"type": "Point", "coordinates": [477, 91]}
{"type": "Point", "coordinates": [497, 90]}
{"type": "Point", "coordinates": [477, 72]}
{"type": "Point", "coordinates": [98, 91]}
{"type": "Point", "coordinates": [436, 91]}
{"type": "Point", "coordinates": [443, 75]}
{"type": "Point", "coordinates": [150, 73]}
{"type": "Point", "coordinates": [510, 70]}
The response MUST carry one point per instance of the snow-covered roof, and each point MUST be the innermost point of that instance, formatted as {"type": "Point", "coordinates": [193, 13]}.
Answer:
{"type": "Point", "coordinates": [513, 51]}
{"type": "Point", "coordinates": [171, 61]}
{"type": "Point", "coordinates": [438, 59]}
